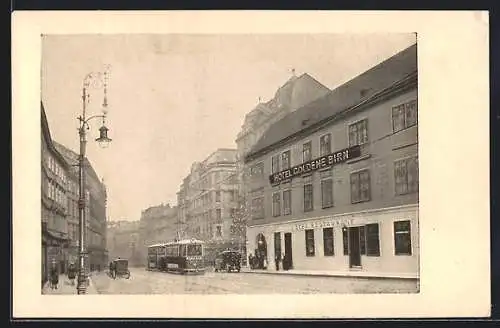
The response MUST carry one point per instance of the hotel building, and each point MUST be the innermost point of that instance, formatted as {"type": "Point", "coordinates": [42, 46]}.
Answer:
{"type": "Point", "coordinates": [334, 184]}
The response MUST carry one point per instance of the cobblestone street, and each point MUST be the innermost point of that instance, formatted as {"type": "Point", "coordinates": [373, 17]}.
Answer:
{"type": "Point", "coordinates": [147, 282]}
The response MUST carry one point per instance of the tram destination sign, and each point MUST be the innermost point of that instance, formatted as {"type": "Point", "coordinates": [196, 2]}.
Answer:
{"type": "Point", "coordinates": [316, 164]}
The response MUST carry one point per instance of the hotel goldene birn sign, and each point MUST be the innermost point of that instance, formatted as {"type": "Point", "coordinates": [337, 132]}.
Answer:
{"type": "Point", "coordinates": [316, 164]}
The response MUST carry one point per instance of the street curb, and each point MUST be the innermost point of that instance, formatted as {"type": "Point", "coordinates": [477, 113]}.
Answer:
{"type": "Point", "coordinates": [324, 275]}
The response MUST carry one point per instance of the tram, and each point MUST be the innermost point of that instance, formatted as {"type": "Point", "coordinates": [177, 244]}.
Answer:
{"type": "Point", "coordinates": [182, 256]}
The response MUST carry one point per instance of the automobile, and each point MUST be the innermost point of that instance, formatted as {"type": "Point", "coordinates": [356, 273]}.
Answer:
{"type": "Point", "coordinates": [228, 261]}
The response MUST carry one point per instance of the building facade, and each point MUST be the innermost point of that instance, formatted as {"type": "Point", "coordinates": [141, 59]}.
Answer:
{"type": "Point", "coordinates": [123, 240]}
{"type": "Point", "coordinates": [295, 93]}
{"type": "Point", "coordinates": [54, 182]}
{"type": "Point", "coordinates": [334, 185]}
{"type": "Point", "coordinates": [95, 208]}
{"type": "Point", "coordinates": [208, 198]}
{"type": "Point", "coordinates": [158, 224]}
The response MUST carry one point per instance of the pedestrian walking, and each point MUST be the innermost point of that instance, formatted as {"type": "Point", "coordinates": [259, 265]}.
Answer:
{"type": "Point", "coordinates": [54, 276]}
{"type": "Point", "coordinates": [72, 273]}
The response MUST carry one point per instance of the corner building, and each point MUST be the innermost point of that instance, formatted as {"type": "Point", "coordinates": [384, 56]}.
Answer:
{"type": "Point", "coordinates": [334, 185]}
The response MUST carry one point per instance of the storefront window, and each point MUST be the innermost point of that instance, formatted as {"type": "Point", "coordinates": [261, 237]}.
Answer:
{"type": "Point", "coordinates": [345, 241]}
{"type": "Point", "coordinates": [362, 240]}
{"type": "Point", "coordinates": [310, 251]}
{"type": "Point", "coordinates": [402, 238]}
{"type": "Point", "coordinates": [372, 240]}
{"type": "Point", "coordinates": [277, 243]}
{"type": "Point", "coordinates": [328, 248]}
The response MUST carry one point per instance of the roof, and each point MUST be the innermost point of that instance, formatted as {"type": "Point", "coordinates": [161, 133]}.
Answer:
{"type": "Point", "coordinates": [46, 132]}
{"type": "Point", "coordinates": [181, 242]}
{"type": "Point", "coordinates": [349, 94]}
{"type": "Point", "coordinates": [288, 97]}
{"type": "Point", "coordinates": [72, 159]}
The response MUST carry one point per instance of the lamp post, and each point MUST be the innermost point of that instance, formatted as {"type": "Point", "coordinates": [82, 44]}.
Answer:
{"type": "Point", "coordinates": [103, 140]}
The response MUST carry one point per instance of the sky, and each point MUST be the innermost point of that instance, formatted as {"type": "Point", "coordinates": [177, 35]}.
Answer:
{"type": "Point", "coordinates": [174, 99]}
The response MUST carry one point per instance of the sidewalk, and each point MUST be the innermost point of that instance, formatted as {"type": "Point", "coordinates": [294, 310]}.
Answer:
{"type": "Point", "coordinates": [342, 274]}
{"type": "Point", "coordinates": [65, 287]}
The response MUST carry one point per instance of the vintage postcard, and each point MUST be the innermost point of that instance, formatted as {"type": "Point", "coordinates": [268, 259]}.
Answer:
{"type": "Point", "coordinates": [309, 165]}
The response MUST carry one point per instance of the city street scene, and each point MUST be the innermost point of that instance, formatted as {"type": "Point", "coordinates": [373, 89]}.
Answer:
{"type": "Point", "coordinates": [229, 164]}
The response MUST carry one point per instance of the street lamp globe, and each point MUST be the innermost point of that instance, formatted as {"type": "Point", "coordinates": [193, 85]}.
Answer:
{"type": "Point", "coordinates": [103, 139]}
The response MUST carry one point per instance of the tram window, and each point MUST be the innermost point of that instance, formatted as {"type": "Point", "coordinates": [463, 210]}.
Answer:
{"type": "Point", "coordinates": [183, 250]}
{"type": "Point", "coordinates": [194, 250]}
{"type": "Point", "coordinates": [172, 250]}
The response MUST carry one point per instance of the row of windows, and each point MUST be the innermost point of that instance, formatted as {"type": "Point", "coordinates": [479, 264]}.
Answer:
{"type": "Point", "coordinates": [406, 181]}
{"type": "Point", "coordinates": [56, 193]}
{"type": "Point", "coordinates": [369, 240]}
{"type": "Point", "coordinates": [207, 230]}
{"type": "Point", "coordinates": [211, 179]}
{"type": "Point", "coordinates": [209, 197]}
{"type": "Point", "coordinates": [56, 168]}
{"type": "Point", "coordinates": [403, 117]}
{"type": "Point", "coordinates": [209, 215]}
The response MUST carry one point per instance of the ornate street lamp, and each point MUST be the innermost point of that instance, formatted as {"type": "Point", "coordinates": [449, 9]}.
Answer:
{"type": "Point", "coordinates": [103, 141]}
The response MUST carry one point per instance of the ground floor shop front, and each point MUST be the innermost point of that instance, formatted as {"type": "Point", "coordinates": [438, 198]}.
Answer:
{"type": "Point", "coordinates": [54, 253]}
{"type": "Point", "coordinates": [383, 242]}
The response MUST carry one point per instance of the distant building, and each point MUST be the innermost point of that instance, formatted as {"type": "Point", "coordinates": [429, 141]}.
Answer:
{"type": "Point", "coordinates": [208, 199]}
{"type": "Point", "coordinates": [158, 224]}
{"type": "Point", "coordinates": [123, 240]}
{"type": "Point", "coordinates": [334, 184]}
{"type": "Point", "coordinates": [54, 203]}
{"type": "Point", "coordinates": [96, 198]}
{"type": "Point", "coordinates": [295, 93]}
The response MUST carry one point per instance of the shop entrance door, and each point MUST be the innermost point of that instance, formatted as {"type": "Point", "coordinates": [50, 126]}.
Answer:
{"type": "Point", "coordinates": [288, 250]}
{"type": "Point", "coordinates": [354, 248]}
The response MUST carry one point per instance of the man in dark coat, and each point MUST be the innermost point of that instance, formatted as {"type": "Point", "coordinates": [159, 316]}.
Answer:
{"type": "Point", "coordinates": [72, 273]}
{"type": "Point", "coordinates": [54, 276]}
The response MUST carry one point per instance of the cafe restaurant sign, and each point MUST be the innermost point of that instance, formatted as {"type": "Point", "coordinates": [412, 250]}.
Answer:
{"type": "Point", "coordinates": [316, 164]}
{"type": "Point", "coordinates": [331, 223]}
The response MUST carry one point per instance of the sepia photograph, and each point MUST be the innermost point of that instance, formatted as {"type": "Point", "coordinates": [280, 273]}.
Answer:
{"type": "Point", "coordinates": [271, 170]}
{"type": "Point", "coordinates": [303, 180]}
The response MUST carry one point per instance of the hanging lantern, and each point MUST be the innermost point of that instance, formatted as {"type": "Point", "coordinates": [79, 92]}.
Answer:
{"type": "Point", "coordinates": [103, 137]}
